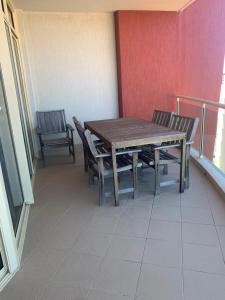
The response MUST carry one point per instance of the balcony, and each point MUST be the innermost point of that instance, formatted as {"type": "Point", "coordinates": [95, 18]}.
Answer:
{"type": "Point", "coordinates": [100, 61]}
{"type": "Point", "coordinates": [171, 246]}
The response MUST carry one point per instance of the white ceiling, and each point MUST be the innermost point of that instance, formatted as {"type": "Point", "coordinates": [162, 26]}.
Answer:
{"type": "Point", "coordinates": [99, 5]}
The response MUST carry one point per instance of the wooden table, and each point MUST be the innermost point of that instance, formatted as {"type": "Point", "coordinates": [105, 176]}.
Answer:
{"type": "Point", "coordinates": [130, 132]}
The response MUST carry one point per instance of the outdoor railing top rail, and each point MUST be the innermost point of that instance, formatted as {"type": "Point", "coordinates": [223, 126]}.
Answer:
{"type": "Point", "coordinates": [203, 101]}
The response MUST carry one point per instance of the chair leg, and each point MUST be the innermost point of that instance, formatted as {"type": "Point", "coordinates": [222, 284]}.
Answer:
{"type": "Point", "coordinates": [135, 178]}
{"type": "Point", "coordinates": [43, 156]}
{"type": "Point", "coordinates": [85, 161]}
{"type": "Point", "coordinates": [187, 170]}
{"type": "Point", "coordinates": [90, 176]}
{"type": "Point", "coordinates": [157, 173]}
{"type": "Point", "coordinates": [73, 153]}
{"type": "Point", "coordinates": [165, 170]}
{"type": "Point", "coordinates": [187, 180]}
{"type": "Point", "coordinates": [101, 182]}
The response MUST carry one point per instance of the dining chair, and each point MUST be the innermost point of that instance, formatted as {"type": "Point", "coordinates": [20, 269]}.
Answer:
{"type": "Point", "coordinates": [100, 165]}
{"type": "Point", "coordinates": [161, 156]}
{"type": "Point", "coordinates": [53, 131]}
{"type": "Point", "coordinates": [161, 118]}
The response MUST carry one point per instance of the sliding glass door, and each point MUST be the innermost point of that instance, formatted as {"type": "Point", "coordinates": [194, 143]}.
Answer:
{"type": "Point", "coordinates": [21, 96]}
{"type": "Point", "coordinates": [9, 163]}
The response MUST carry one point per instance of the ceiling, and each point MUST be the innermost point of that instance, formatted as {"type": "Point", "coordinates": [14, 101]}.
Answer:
{"type": "Point", "coordinates": [99, 5]}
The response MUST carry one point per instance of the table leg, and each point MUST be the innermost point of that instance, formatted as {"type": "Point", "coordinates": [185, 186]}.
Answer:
{"type": "Point", "coordinates": [182, 165]}
{"type": "Point", "coordinates": [115, 177]}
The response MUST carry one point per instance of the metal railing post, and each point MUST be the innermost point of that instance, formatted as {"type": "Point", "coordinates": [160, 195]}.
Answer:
{"type": "Point", "coordinates": [178, 105]}
{"type": "Point", "coordinates": [202, 137]}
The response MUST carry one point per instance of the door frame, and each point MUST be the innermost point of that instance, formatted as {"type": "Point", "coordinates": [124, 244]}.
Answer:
{"type": "Point", "coordinates": [13, 245]}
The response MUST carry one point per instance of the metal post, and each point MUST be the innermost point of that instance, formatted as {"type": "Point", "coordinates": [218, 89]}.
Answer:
{"type": "Point", "coordinates": [202, 138]}
{"type": "Point", "coordinates": [178, 105]}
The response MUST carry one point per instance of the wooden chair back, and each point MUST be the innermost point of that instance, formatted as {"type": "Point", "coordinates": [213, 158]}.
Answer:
{"type": "Point", "coordinates": [185, 124]}
{"type": "Point", "coordinates": [80, 131]}
{"type": "Point", "coordinates": [162, 118]}
{"type": "Point", "coordinates": [91, 144]}
{"type": "Point", "coordinates": [51, 122]}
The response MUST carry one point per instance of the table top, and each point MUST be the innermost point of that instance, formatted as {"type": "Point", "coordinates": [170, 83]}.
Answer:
{"type": "Point", "coordinates": [129, 132]}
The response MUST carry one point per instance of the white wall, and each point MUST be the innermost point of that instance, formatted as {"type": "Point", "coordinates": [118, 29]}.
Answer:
{"type": "Point", "coordinates": [70, 62]}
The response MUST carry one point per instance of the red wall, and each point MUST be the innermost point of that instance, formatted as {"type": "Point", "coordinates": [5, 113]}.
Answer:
{"type": "Point", "coordinates": [161, 54]}
{"type": "Point", "coordinates": [147, 61]}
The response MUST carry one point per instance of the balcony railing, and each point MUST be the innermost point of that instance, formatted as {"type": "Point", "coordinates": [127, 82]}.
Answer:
{"type": "Point", "coordinates": [210, 140]}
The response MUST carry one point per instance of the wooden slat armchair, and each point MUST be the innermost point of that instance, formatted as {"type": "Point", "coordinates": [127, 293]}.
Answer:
{"type": "Point", "coordinates": [161, 118]}
{"type": "Point", "coordinates": [86, 150]}
{"type": "Point", "coordinates": [160, 156]}
{"type": "Point", "coordinates": [101, 165]}
{"type": "Point", "coordinates": [53, 131]}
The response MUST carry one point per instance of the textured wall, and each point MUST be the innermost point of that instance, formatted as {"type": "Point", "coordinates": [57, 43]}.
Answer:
{"type": "Point", "coordinates": [202, 50]}
{"type": "Point", "coordinates": [71, 63]}
{"type": "Point", "coordinates": [147, 61]}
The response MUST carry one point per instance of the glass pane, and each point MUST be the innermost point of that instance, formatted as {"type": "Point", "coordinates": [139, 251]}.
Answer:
{"type": "Point", "coordinates": [9, 163]}
{"type": "Point", "coordinates": [219, 143]}
{"type": "Point", "coordinates": [211, 120]}
{"type": "Point", "coordinates": [27, 140]}
{"type": "Point", "coordinates": [26, 113]}
{"type": "Point", "coordinates": [193, 110]}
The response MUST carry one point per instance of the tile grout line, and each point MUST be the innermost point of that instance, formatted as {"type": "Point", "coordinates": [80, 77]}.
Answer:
{"type": "Point", "coordinates": [221, 249]}
{"type": "Point", "coordinates": [146, 239]}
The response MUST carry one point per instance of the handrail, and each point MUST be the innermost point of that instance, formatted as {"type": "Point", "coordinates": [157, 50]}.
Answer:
{"type": "Point", "coordinates": [204, 102]}
{"type": "Point", "coordinates": [201, 100]}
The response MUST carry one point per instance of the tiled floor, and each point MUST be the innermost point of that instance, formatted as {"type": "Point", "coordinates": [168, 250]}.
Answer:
{"type": "Point", "coordinates": [170, 247]}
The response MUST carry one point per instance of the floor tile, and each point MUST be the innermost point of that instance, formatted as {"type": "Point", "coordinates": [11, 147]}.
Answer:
{"type": "Point", "coordinates": [93, 243]}
{"type": "Point", "coordinates": [199, 234]}
{"type": "Point", "coordinates": [142, 200]}
{"type": "Point", "coordinates": [130, 226]}
{"type": "Point", "coordinates": [164, 230]}
{"type": "Point", "coordinates": [118, 277]}
{"type": "Point", "coordinates": [138, 212]}
{"type": "Point", "coordinates": [163, 253]}
{"type": "Point", "coordinates": [103, 224]}
{"type": "Point", "coordinates": [165, 213]}
{"type": "Point", "coordinates": [60, 292]}
{"type": "Point", "coordinates": [198, 200]}
{"type": "Point", "coordinates": [127, 248]}
{"type": "Point", "coordinates": [197, 215]}
{"type": "Point", "coordinates": [96, 295]}
{"type": "Point", "coordinates": [219, 215]}
{"type": "Point", "coordinates": [167, 200]}
{"type": "Point", "coordinates": [79, 270]}
{"type": "Point", "coordinates": [159, 283]}
{"type": "Point", "coordinates": [203, 258]}
{"type": "Point", "coordinates": [221, 234]}
{"type": "Point", "coordinates": [202, 286]}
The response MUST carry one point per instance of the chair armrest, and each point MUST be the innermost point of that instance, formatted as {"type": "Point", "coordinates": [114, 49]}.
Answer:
{"type": "Point", "coordinates": [107, 154]}
{"type": "Point", "coordinates": [69, 127]}
{"type": "Point", "coordinates": [98, 143]}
